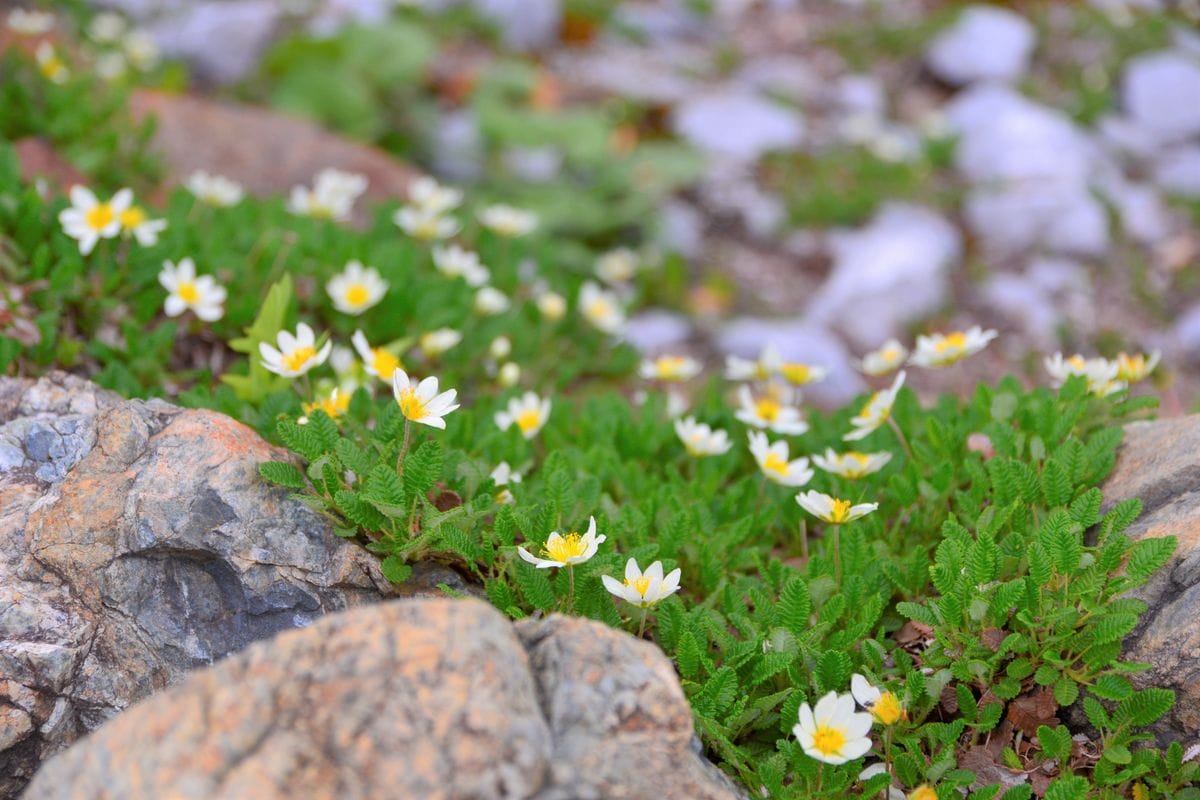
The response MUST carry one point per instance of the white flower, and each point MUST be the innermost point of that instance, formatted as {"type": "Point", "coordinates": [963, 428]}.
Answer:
{"type": "Point", "coordinates": [110, 66]}
{"type": "Point", "coordinates": [377, 361]}
{"type": "Point", "coordinates": [565, 551]}
{"type": "Point", "coordinates": [51, 65]}
{"type": "Point", "coordinates": [941, 350]}
{"type": "Point", "coordinates": [356, 288]}
{"type": "Point", "coordinates": [853, 464]}
{"type": "Point", "coordinates": [884, 706]}
{"type": "Point", "coordinates": [643, 589]}
{"type": "Point", "coordinates": [701, 440]}
{"type": "Point", "coordinates": [1100, 373]}
{"type": "Point", "coordinates": [136, 222]}
{"type": "Point", "coordinates": [106, 27]}
{"type": "Point", "coordinates": [831, 509]}
{"type": "Point", "coordinates": [334, 405]}
{"type": "Point", "coordinates": [296, 354]}
{"type": "Point", "coordinates": [341, 358]}
{"type": "Point", "coordinates": [670, 368]}
{"type": "Point", "coordinates": [89, 220]}
{"type": "Point", "coordinates": [798, 373]}
{"type": "Point", "coordinates": [141, 49]}
{"type": "Point", "coordinates": [884, 360]}
{"type": "Point", "coordinates": [432, 197]}
{"type": "Point", "coordinates": [833, 732]}
{"type": "Point", "coordinates": [434, 343]}
{"type": "Point", "coordinates": [768, 411]}
{"type": "Point", "coordinates": [30, 23]}
{"type": "Point", "coordinates": [504, 220]}
{"type": "Point", "coordinates": [502, 476]}
{"type": "Point", "coordinates": [1133, 368]}
{"type": "Point", "coordinates": [332, 196]}
{"type": "Point", "coordinates": [551, 305]}
{"type": "Point", "coordinates": [425, 225]}
{"type": "Point", "coordinates": [203, 295]}
{"type": "Point", "coordinates": [421, 402]}
{"type": "Point", "coordinates": [509, 374]}
{"type": "Point", "coordinates": [879, 768]}
{"type": "Point", "coordinates": [500, 347]}
{"type": "Point", "coordinates": [601, 308]}
{"type": "Point", "coordinates": [458, 262]}
{"type": "Point", "coordinates": [876, 412]}
{"type": "Point", "coordinates": [744, 369]}
{"type": "Point", "coordinates": [214, 190]}
{"type": "Point", "coordinates": [617, 266]}
{"type": "Point", "coordinates": [773, 461]}
{"type": "Point", "coordinates": [490, 301]}
{"type": "Point", "coordinates": [529, 412]}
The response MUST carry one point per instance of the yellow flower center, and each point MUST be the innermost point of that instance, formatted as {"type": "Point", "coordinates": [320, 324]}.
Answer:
{"type": "Point", "coordinates": [99, 216]}
{"type": "Point", "coordinates": [188, 292]}
{"type": "Point", "coordinates": [53, 67]}
{"type": "Point", "coordinates": [1077, 361]}
{"type": "Point", "coordinates": [640, 585]}
{"type": "Point", "coordinates": [529, 420]}
{"type": "Point", "coordinates": [296, 359]}
{"type": "Point", "coordinates": [132, 217]}
{"type": "Point", "coordinates": [767, 408]}
{"type": "Point", "coordinates": [840, 511]}
{"type": "Point", "coordinates": [848, 460]}
{"type": "Point", "coordinates": [951, 342]}
{"type": "Point", "coordinates": [890, 354]}
{"type": "Point", "coordinates": [798, 374]}
{"type": "Point", "coordinates": [384, 363]}
{"type": "Point", "coordinates": [888, 709]}
{"type": "Point", "coordinates": [924, 792]}
{"type": "Point", "coordinates": [773, 463]}
{"type": "Point", "coordinates": [410, 405]}
{"type": "Point", "coordinates": [1131, 368]}
{"type": "Point", "coordinates": [331, 406]}
{"type": "Point", "coordinates": [870, 413]}
{"type": "Point", "coordinates": [669, 367]}
{"type": "Point", "coordinates": [565, 547]}
{"type": "Point", "coordinates": [598, 309]}
{"type": "Point", "coordinates": [828, 740]}
{"type": "Point", "coordinates": [357, 295]}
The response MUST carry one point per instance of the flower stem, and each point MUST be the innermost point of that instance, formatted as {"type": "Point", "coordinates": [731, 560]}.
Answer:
{"type": "Point", "coordinates": [900, 435]}
{"type": "Point", "coordinates": [571, 588]}
{"type": "Point", "coordinates": [642, 627]}
{"type": "Point", "coordinates": [804, 539]}
{"type": "Point", "coordinates": [404, 446]}
{"type": "Point", "coordinates": [837, 553]}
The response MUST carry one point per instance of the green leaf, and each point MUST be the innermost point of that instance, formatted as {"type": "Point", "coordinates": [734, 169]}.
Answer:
{"type": "Point", "coordinates": [272, 314]}
{"type": "Point", "coordinates": [1147, 556]}
{"type": "Point", "coordinates": [422, 468]}
{"type": "Point", "coordinates": [535, 586]}
{"type": "Point", "coordinates": [794, 607]}
{"type": "Point", "coordinates": [1117, 753]}
{"type": "Point", "coordinates": [1056, 484]}
{"type": "Point", "coordinates": [1069, 787]}
{"type": "Point", "coordinates": [282, 474]}
{"type": "Point", "coordinates": [1144, 707]}
{"type": "Point", "coordinates": [395, 569]}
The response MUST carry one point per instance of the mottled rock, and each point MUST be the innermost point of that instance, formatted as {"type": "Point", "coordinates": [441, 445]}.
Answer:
{"type": "Point", "coordinates": [194, 133]}
{"type": "Point", "coordinates": [1177, 171]}
{"type": "Point", "coordinates": [138, 543]}
{"type": "Point", "coordinates": [984, 43]}
{"type": "Point", "coordinates": [524, 24]}
{"type": "Point", "coordinates": [39, 159]}
{"type": "Point", "coordinates": [1159, 462]}
{"type": "Point", "coordinates": [891, 272]}
{"type": "Point", "coordinates": [762, 125]}
{"type": "Point", "coordinates": [412, 699]}
{"type": "Point", "coordinates": [1161, 93]}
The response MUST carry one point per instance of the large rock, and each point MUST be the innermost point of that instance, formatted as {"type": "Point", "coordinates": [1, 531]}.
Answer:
{"type": "Point", "coordinates": [194, 133]}
{"type": "Point", "coordinates": [137, 543]}
{"type": "Point", "coordinates": [985, 43]}
{"type": "Point", "coordinates": [414, 699]}
{"type": "Point", "coordinates": [1160, 463]}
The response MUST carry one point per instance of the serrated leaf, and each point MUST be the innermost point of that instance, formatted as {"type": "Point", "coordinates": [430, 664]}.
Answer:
{"type": "Point", "coordinates": [282, 474]}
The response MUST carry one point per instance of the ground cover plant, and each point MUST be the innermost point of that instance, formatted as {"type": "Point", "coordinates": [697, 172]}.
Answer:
{"type": "Point", "coordinates": [881, 601]}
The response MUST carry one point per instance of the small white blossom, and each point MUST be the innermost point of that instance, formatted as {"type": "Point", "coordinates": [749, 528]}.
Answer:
{"type": "Point", "coordinates": [432, 197]}
{"type": "Point", "coordinates": [617, 266]}
{"type": "Point", "coordinates": [490, 301]}
{"type": "Point", "coordinates": [670, 368]}
{"type": "Point", "coordinates": [454, 261]}
{"type": "Point", "coordinates": [30, 23]}
{"type": "Point", "coordinates": [203, 295]}
{"type": "Point", "coordinates": [773, 461]}
{"type": "Point", "coordinates": [601, 308]}
{"type": "Point", "coordinates": [377, 361]}
{"type": "Point", "coordinates": [528, 412]}
{"type": "Point", "coordinates": [876, 412]}
{"type": "Point", "coordinates": [421, 402]}
{"type": "Point", "coordinates": [700, 439]}
{"type": "Point", "coordinates": [769, 411]}
{"type": "Point", "coordinates": [356, 288]}
{"type": "Point", "coordinates": [88, 220]}
{"type": "Point", "coordinates": [889, 357]}
{"type": "Point", "coordinates": [332, 196]}
{"type": "Point", "coordinates": [296, 354]}
{"type": "Point", "coordinates": [434, 343]}
{"type": "Point", "coordinates": [643, 589]}
{"type": "Point", "coordinates": [566, 551]}
{"type": "Point", "coordinates": [941, 350]}
{"type": "Point", "coordinates": [833, 732]}
{"type": "Point", "coordinates": [507, 221]}
{"type": "Point", "coordinates": [831, 509]}
{"type": "Point", "coordinates": [214, 190]}
{"type": "Point", "coordinates": [853, 464]}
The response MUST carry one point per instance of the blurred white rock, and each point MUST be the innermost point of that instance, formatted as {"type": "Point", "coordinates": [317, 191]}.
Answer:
{"type": "Point", "coordinates": [787, 76]}
{"type": "Point", "coordinates": [738, 125]}
{"type": "Point", "coordinates": [1144, 216]}
{"type": "Point", "coordinates": [533, 164]}
{"type": "Point", "coordinates": [891, 272]}
{"type": "Point", "coordinates": [797, 340]}
{"type": "Point", "coordinates": [1185, 335]}
{"type": "Point", "coordinates": [984, 43]}
{"type": "Point", "coordinates": [1047, 294]}
{"type": "Point", "coordinates": [656, 331]}
{"type": "Point", "coordinates": [861, 94]}
{"type": "Point", "coordinates": [681, 228]}
{"type": "Point", "coordinates": [524, 24]}
{"type": "Point", "coordinates": [1059, 217]}
{"type": "Point", "coordinates": [1160, 93]}
{"type": "Point", "coordinates": [730, 188]}
{"type": "Point", "coordinates": [223, 41]}
{"type": "Point", "coordinates": [457, 146]}
{"type": "Point", "coordinates": [1177, 171]}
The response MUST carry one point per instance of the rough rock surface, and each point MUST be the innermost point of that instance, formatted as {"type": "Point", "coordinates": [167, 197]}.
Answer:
{"type": "Point", "coordinates": [136, 543]}
{"type": "Point", "coordinates": [1159, 462]}
{"type": "Point", "coordinates": [412, 699]}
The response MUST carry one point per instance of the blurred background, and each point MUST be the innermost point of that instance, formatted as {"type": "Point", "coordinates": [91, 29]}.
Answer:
{"type": "Point", "coordinates": [820, 175]}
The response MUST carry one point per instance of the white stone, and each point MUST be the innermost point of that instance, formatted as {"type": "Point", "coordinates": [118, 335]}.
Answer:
{"type": "Point", "coordinates": [223, 41]}
{"type": "Point", "coordinates": [1058, 217]}
{"type": "Point", "coordinates": [458, 146]}
{"type": "Point", "coordinates": [524, 24]}
{"type": "Point", "coordinates": [1161, 93]}
{"type": "Point", "coordinates": [1048, 294]}
{"type": "Point", "coordinates": [533, 164]}
{"type": "Point", "coordinates": [797, 340]}
{"type": "Point", "coordinates": [1177, 171]}
{"type": "Point", "coordinates": [681, 228]}
{"type": "Point", "coordinates": [656, 331]}
{"type": "Point", "coordinates": [985, 43]}
{"type": "Point", "coordinates": [737, 125]}
{"type": "Point", "coordinates": [892, 272]}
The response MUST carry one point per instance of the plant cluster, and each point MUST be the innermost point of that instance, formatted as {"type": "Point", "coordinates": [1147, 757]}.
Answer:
{"type": "Point", "coordinates": [896, 599]}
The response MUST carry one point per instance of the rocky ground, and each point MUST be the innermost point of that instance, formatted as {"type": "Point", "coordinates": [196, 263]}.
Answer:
{"type": "Point", "coordinates": [830, 197]}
